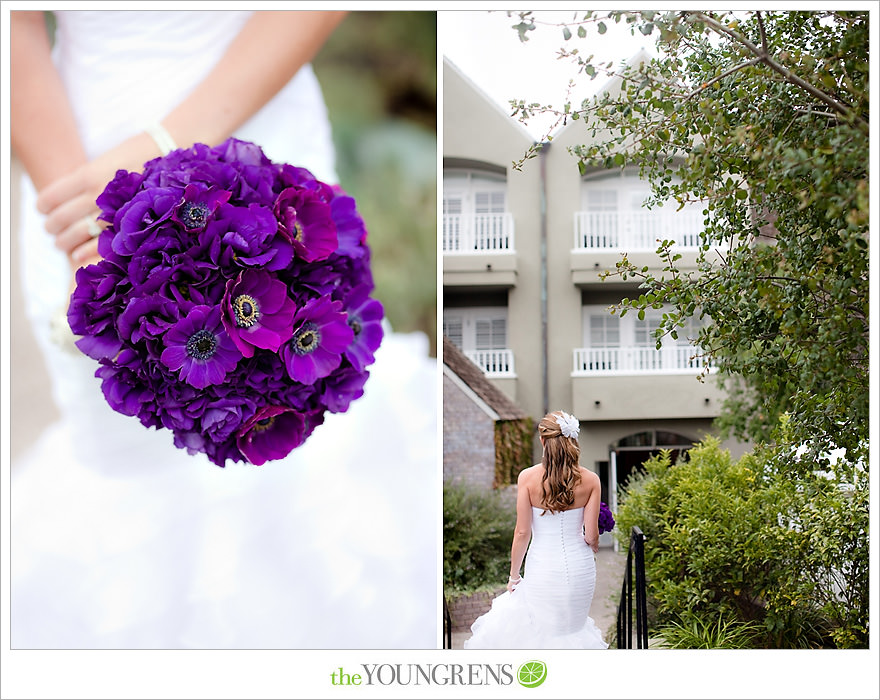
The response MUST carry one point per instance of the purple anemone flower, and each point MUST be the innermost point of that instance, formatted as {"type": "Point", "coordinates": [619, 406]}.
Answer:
{"type": "Point", "coordinates": [257, 313]}
{"type": "Point", "coordinates": [305, 218]}
{"type": "Point", "coordinates": [198, 206]}
{"type": "Point", "coordinates": [321, 334]}
{"type": "Point", "coordinates": [198, 348]}
{"type": "Point", "coordinates": [606, 519]}
{"type": "Point", "coordinates": [343, 387]}
{"type": "Point", "coordinates": [365, 319]}
{"type": "Point", "coordinates": [136, 221]}
{"type": "Point", "coordinates": [231, 306]}
{"type": "Point", "coordinates": [271, 433]}
{"type": "Point", "coordinates": [350, 226]}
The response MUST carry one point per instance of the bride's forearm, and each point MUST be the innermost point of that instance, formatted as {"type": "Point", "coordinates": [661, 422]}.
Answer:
{"type": "Point", "coordinates": [43, 131]}
{"type": "Point", "coordinates": [518, 551]}
{"type": "Point", "coordinates": [266, 54]}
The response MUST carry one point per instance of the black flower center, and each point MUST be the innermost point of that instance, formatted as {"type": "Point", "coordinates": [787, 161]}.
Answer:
{"type": "Point", "coordinates": [306, 339]}
{"type": "Point", "coordinates": [297, 231]}
{"type": "Point", "coordinates": [263, 424]}
{"type": "Point", "coordinates": [201, 345]}
{"type": "Point", "coordinates": [356, 326]}
{"type": "Point", "coordinates": [193, 214]}
{"type": "Point", "coordinates": [246, 310]}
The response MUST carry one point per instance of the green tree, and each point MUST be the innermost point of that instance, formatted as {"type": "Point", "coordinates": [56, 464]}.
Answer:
{"type": "Point", "coordinates": [762, 117]}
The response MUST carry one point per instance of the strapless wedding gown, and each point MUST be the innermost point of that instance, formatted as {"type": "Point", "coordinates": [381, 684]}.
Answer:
{"type": "Point", "coordinates": [550, 607]}
{"type": "Point", "coordinates": [119, 539]}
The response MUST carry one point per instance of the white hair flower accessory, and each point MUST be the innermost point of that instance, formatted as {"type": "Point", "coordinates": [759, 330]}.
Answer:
{"type": "Point", "coordinates": [569, 425]}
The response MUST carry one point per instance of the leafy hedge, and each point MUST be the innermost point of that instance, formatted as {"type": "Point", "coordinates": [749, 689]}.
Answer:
{"type": "Point", "coordinates": [477, 535]}
{"type": "Point", "coordinates": [769, 548]}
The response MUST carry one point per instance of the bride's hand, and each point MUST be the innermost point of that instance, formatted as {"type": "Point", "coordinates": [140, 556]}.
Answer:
{"type": "Point", "coordinates": [69, 202]}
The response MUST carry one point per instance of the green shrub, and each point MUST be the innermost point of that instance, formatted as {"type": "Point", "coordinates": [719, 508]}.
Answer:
{"type": "Point", "coordinates": [702, 633]}
{"type": "Point", "coordinates": [477, 534]}
{"type": "Point", "coordinates": [763, 541]}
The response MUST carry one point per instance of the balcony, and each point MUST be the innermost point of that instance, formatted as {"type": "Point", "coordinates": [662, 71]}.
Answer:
{"type": "Point", "coordinates": [675, 359]}
{"type": "Point", "coordinates": [600, 238]}
{"type": "Point", "coordinates": [630, 231]}
{"type": "Point", "coordinates": [478, 233]}
{"type": "Point", "coordinates": [479, 251]}
{"type": "Point", "coordinates": [643, 384]}
{"type": "Point", "coordinates": [494, 363]}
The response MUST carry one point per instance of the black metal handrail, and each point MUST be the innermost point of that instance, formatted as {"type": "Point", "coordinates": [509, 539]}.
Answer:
{"type": "Point", "coordinates": [635, 559]}
{"type": "Point", "coordinates": [447, 626]}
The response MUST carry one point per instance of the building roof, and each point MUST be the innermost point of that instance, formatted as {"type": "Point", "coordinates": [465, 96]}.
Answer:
{"type": "Point", "coordinates": [477, 382]}
{"type": "Point", "coordinates": [503, 116]}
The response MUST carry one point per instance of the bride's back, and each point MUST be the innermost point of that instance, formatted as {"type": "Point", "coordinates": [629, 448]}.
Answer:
{"type": "Point", "coordinates": [533, 480]}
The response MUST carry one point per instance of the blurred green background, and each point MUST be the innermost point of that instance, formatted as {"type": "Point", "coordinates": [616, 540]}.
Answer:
{"type": "Point", "coordinates": [378, 72]}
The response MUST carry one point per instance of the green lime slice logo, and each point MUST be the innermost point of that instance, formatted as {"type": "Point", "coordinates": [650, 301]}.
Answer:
{"type": "Point", "coordinates": [531, 674]}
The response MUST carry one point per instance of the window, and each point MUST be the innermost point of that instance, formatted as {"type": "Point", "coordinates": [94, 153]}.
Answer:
{"type": "Point", "coordinates": [483, 328]}
{"type": "Point", "coordinates": [629, 344]}
{"type": "Point", "coordinates": [613, 215]}
{"type": "Point", "coordinates": [452, 329]}
{"type": "Point", "coordinates": [481, 334]}
{"type": "Point", "coordinates": [475, 216]}
{"type": "Point", "coordinates": [604, 330]}
{"type": "Point", "coordinates": [491, 334]}
{"type": "Point", "coordinates": [644, 331]}
{"type": "Point", "coordinates": [601, 200]}
{"type": "Point", "coordinates": [488, 202]}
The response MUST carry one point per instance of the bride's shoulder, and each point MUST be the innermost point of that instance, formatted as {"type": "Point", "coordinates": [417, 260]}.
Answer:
{"type": "Point", "coordinates": [529, 474]}
{"type": "Point", "coordinates": [590, 477]}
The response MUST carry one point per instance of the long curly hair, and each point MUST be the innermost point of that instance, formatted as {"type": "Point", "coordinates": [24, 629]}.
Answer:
{"type": "Point", "coordinates": [560, 461]}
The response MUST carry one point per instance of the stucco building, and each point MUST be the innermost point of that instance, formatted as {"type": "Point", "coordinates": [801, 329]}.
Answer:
{"type": "Point", "coordinates": [522, 256]}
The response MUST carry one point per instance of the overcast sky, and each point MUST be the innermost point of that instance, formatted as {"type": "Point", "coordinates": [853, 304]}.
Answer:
{"type": "Point", "coordinates": [485, 48]}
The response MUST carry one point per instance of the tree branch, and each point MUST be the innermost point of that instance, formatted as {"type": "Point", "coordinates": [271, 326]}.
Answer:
{"type": "Point", "coordinates": [729, 71]}
{"type": "Point", "coordinates": [763, 33]}
{"type": "Point", "coordinates": [765, 58]}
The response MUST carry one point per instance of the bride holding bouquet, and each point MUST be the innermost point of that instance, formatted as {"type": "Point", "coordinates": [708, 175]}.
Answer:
{"type": "Point", "coordinates": [121, 538]}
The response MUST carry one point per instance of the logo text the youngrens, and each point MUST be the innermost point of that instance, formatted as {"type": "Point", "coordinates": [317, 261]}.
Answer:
{"type": "Point", "coordinates": [425, 674]}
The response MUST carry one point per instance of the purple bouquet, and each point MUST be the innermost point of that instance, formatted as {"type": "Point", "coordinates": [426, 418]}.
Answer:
{"type": "Point", "coordinates": [232, 304]}
{"type": "Point", "coordinates": [606, 519]}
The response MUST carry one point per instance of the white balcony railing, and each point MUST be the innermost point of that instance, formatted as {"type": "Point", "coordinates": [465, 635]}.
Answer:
{"type": "Point", "coordinates": [494, 363]}
{"type": "Point", "coordinates": [636, 230]}
{"type": "Point", "coordinates": [639, 360]}
{"type": "Point", "coordinates": [478, 233]}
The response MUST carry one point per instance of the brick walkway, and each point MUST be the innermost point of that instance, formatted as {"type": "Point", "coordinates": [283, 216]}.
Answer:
{"type": "Point", "coordinates": [610, 567]}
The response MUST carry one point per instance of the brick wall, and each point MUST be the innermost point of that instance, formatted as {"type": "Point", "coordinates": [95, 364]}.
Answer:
{"type": "Point", "coordinates": [465, 609]}
{"type": "Point", "coordinates": [468, 439]}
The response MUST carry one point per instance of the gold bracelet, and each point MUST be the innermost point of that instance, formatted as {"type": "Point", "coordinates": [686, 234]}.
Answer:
{"type": "Point", "coordinates": [163, 139]}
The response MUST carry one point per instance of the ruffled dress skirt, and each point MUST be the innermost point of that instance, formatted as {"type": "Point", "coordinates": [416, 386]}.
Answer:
{"type": "Point", "coordinates": [550, 607]}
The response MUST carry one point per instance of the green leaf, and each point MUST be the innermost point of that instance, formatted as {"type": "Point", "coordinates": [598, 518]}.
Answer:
{"type": "Point", "coordinates": [601, 27]}
{"type": "Point", "coordinates": [566, 33]}
{"type": "Point", "coordinates": [582, 32]}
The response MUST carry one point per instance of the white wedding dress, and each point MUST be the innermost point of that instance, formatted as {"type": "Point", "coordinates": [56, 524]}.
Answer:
{"type": "Point", "coordinates": [549, 609]}
{"type": "Point", "coordinates": [121, 540]}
